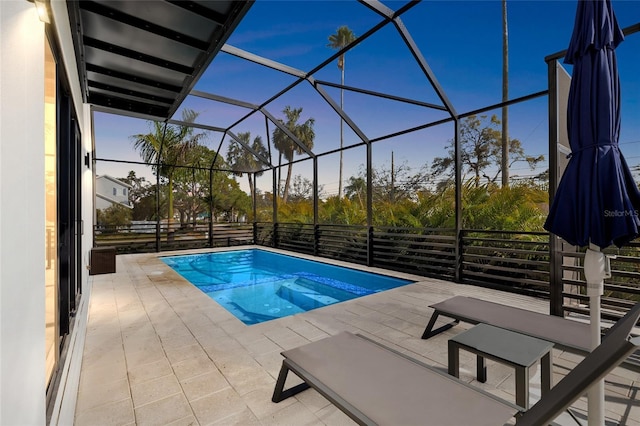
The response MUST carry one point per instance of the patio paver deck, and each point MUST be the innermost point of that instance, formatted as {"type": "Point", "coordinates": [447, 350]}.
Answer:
{"type": "Point", "coordinates": [158, 351]}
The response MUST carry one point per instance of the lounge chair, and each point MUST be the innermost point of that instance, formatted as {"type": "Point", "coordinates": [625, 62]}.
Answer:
{"type": "Point", "coordinates": [375, 385]}
{"type": "Point", "coordinates": [569, 335]}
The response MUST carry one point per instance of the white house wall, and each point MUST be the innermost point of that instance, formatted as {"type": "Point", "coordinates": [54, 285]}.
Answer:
{"type": "Point", "coordinates": [22, 215]}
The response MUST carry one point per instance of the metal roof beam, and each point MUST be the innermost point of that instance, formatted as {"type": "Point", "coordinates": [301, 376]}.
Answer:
{"type": "Point", "coordinates": [128, 53]}
{"type": "Point", "coordinates": [251, 150]}
{"type": "Point", "coordinates": [394, 17]}
{"type": "Point", "coordinates": [422, 62]}
{"type": "Point", "coordinates": [123, 104]}
{"type": "Point", "coordinates": [132, 78]}
{"type": "Point", "coordinates": [129, 92]}
{"type": "Point", "coordinates": [339, 110]}
{"type": "Point", "coordinates": [243, 54]}
{"type": "Point", "coordinates": [287, 132]}
{"type": "Point", "coordinates": [224, 99]}
{"type": "Point", "coordinates": [224, 131]}
{"type": "Point", "coordinates": [197, 125]}
{"type": "Point", "coordinates": [200, 10]}
{"type": "Point", "coordinates": [134, 21]}
{"type": "Point", "coordinates": [381, 95]}
{"type": "Point", "coordinates": [238, 10]}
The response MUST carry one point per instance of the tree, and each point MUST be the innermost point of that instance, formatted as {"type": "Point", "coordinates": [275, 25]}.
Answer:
{"type": "Point", "coordinates": [389, 185]}
{"type": "Point", "coordinates": [481, 152]}
{"type": "Point", "coordinates": [229, 201]}
{"type": "Point", "coordinates": [191, 184]}
{"type": "Point", "coordinates": [302, 189]}
{"type": "Point", "coordinates": [515, 208]}
{"type": "Point", "coordinates": [342, 38]}
{"type": "Point", "coordinates": [398, 183]}
{"type": "Point", "coordinates": [264, 206]}
{"type": "Point", "coordinates": [299, 208]}
{"type": "Point", "coordinates": [113, 216]}
{"type": "Point", "coordinates": [166, 146]}
{"type": "Point", "coordinates": [243, 161]}
{"type": "Point", "coordinates": [356, 189]}
{"type": "Point", "coordinates": [136, 184]}
{"type": "Point", "coordinates": [142, 197]}
{"type": "Point", "coordinates": [286, 146]}
{"type": "Point", "coordinates": [343, 211]}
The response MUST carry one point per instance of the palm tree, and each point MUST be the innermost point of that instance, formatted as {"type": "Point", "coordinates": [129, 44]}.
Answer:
{"type": "Point", "coordinates": [343, 37]}
{"type": "Point", "coordinates": [288, 148]}
{"type": "Point", "coordinates": [505, 96]}
{"type": "Point", "coordinates": [167, 146]}
{"type": "Point", "coordinates": [244, 161]}
{"type": "Point", "coordinates": [357, 188]}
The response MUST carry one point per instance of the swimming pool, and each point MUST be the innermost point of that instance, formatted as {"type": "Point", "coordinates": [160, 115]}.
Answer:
{"type": "Point", "coordinates": [258, 285]}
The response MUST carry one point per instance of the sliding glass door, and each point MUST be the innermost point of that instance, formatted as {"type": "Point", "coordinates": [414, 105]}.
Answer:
{"type": "Point", "coordinates": [52, 332]}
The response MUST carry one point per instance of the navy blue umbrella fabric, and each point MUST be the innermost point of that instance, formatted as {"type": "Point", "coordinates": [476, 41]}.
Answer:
{"type": "Point", "coordinates": [597, 199]}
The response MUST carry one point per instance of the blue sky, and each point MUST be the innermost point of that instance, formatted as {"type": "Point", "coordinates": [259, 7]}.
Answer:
{"type": "Point", "coordinates": [461, 42]}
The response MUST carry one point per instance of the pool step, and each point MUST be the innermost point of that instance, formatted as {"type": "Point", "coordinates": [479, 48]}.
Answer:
{"type": "Point", "coordinates": [303, 296]}
{"type": "Point", "coordinates": [208, 288]}
{"type": "Point", "coordinates": [221, 275]}
{"type": "Point", "coordinates": [312, 280]}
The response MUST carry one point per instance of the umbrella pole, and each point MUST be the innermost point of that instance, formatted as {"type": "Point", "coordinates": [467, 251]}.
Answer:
{"type": "Point", "coordinates": [595, 396]}
{"type": "Point", "coordinates": [595, 271]}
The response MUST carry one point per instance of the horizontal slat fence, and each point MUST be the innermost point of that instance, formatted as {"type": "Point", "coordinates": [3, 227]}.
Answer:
{"type": "Point", "coordinates": [512, 261]}
{"type": "Point", "coordinates": [503, 259]}
{"type": "Point", "coordinates": [428, 252]}
{"type": "Point", "coordinates": [141, 238]}
{"type": "Point", "coordinates": [296, 237]}
{"type": "Point", "coordinates": [342, 242]}
{"type": "Point", "coordinates": [621, 291]}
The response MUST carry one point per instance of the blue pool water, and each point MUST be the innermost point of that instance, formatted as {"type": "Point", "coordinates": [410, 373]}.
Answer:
{"type": "Point", "coordinates": [258, 285]}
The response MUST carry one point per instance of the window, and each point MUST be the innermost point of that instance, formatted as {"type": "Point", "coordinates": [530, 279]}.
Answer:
{"type": "Point", "coordinates": [115, 191]}
{"type": "Point", "coordinates": [124, 191]}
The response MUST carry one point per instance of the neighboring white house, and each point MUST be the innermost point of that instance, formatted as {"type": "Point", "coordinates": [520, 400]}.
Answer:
{"type": "Point", "coordinates": [110, 191]}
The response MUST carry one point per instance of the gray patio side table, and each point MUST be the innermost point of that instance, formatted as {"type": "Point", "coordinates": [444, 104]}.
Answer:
{"type": "Point", "coordinates": [507, 347]}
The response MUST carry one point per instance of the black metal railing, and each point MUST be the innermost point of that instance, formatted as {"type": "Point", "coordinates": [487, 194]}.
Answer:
{"type": "Point", "coordinates": [422, 251]}
{"type": "Point", "coordinates": [507, 260]}
{"type": "Point", "coordinates": [147, 237]}
{"type": "Point", "coordinates": [342, 242]}
{"type": "Point", "coordinates": [621, 291]}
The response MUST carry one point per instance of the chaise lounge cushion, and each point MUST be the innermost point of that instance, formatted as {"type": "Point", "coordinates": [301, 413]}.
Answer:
{"type": "Point", "coordinates": [572, 335]}
{"type": "Point", "coordinates": [374, 384]}
{"type": "Point", "coordinates": [390, 388]}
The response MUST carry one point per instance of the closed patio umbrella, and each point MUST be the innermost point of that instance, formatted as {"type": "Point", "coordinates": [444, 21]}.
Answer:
{"type": "Point", "coordinates": [597, 201]}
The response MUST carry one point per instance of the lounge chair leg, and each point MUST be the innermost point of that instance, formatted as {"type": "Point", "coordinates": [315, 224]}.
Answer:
{"type": "Point", "coordinates": [522, 387]}
{"type": "Point", "coordinates": [278, 393]}
{"type": "Point", "coordinates": [547, 373]}
{"type": "Point", "coordinates": [429, 332]}
{"type": "Point", "coordinates": [481, 369]}
{"type": "Point", "coordinates": [453, 358]}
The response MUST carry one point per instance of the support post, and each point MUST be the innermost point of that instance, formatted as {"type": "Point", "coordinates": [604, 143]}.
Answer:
{"type": "Point", "coordinates": [369, 205]}
{"type": "Point", "coordinates": [210, 239]}
{"type": "Point", "coordinates": [555, 245]}
{"type": "Point", "coordinates": [458, 202]}
{"type": "Point", "coordinates": [370, 252]}
{"type": "Point", "coordinates": [315, 206]}
{"type": "Point", "coordinates": [158, 163]}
